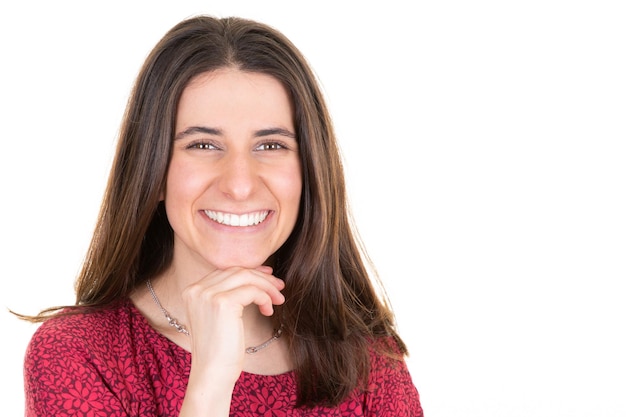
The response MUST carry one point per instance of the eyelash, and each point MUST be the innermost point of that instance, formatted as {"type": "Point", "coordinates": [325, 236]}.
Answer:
{"type": "Point", "coordinates": [265, 146]}
{"type": "Point", "coordinates": [201, 145]}
{"type": "Point", "coordinates": [271, 146]}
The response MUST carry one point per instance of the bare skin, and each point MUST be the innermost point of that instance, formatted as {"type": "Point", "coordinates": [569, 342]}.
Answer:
{"type": "Point", "coordinates": [232, 198]}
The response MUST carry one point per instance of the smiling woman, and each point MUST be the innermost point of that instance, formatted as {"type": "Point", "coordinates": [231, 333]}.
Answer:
{"type": "Point", "coordinates": [235, 158]}
{"type": "Point", "coordinates": [223, 277]}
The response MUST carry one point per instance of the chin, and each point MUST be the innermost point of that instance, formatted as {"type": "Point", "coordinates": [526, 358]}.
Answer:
{"type": "Point", "coordinates": [239, 261]}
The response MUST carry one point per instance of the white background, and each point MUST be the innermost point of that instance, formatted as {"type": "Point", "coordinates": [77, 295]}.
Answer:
{"type": "Point", "coordinates": [485, 154]}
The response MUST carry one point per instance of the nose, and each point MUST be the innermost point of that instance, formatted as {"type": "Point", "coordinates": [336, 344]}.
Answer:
{"type": "Point", "coordinates": [238, 176]}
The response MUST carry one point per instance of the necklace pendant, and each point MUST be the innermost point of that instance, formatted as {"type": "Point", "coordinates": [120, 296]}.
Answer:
{"type": "Point", "coordinates": [180, 328]}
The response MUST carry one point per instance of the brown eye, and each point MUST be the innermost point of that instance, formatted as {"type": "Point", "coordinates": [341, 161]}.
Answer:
{"type": "Point", "coordinates": [270, 146]}
{"type": "Point", "coordinates": [201, 145]}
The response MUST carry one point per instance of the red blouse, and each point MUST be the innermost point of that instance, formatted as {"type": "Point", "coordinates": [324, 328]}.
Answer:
{"type": "Point", "coordinates": [113, 363]}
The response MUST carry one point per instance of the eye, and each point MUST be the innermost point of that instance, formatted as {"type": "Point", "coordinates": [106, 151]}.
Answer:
{"type": "Point", "coordinates": [202, 145]}
{"type": "Point", "coordinates": [270, 146]}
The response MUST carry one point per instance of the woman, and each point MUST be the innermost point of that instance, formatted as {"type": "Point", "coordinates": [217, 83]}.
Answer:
{"type": "Point", "coordinates": [223, 277]}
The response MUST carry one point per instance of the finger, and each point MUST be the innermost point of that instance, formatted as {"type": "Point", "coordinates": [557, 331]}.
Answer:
{"type": "Point", "coordinates": [233, 279]}
{"type": "Point", "coordinates": [242, 276]}
{"type": "Point", "coordinates": [267, 274]}
{"type": "Point", "coordinates": [265, 269]}
{"type": "Point", "coordinates": [243, 296]}
{"type": "Point", "coordinates": [273, 291]}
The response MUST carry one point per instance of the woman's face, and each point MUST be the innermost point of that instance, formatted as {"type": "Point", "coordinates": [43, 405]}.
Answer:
{"type": "Point", "coordinates": [234, 182]}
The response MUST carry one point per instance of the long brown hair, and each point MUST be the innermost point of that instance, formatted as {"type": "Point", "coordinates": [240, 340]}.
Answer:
{"type": "Point", "coordinates": [334, 311]}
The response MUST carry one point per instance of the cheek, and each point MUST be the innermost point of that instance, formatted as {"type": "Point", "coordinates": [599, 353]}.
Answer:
{"type": "Point", "coordinates": [183, 184]}
{"type": "Point", "coordinates": [292, 191]}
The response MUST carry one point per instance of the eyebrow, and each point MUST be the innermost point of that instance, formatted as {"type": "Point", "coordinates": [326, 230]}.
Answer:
{"type": "Point", "coordinates": [218, 132]}
{"type": "Point", "coordinates": [197, 129]}
{"type": "Point", "coordinates": [274, 131]}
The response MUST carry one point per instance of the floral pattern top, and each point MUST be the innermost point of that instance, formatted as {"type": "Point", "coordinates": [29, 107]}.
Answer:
{"type": "Point", "coordinates": [113, 363]}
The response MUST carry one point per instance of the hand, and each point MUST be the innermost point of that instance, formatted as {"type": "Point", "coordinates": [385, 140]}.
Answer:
{"type": "Point", "coordinates": [215, 306]}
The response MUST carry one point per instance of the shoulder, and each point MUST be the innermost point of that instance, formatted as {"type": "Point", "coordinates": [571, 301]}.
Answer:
{"type": "Point", "coordinates": [82, 361]}
{"type": "Point", "coordinates": [79, 331]}
{"type": "Point", "coordinates": [386, 351]}
{"type": "Point", "coordinates": [390, 386]}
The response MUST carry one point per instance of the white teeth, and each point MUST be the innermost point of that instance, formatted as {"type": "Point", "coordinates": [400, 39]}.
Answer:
{"type": "Point", "coordinates": [243, 220]}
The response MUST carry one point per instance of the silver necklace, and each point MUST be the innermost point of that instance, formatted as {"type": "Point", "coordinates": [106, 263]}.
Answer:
{"type": "Point", "coordinates": [182, 329]}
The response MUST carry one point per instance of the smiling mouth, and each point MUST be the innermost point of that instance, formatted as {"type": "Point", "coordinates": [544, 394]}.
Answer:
{"type": "Point", "coordinates": [237, 220]}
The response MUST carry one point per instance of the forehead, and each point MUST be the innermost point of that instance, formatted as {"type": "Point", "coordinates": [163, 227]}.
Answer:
{"type": "Point", "coordinates": [227, 92]}
{"type": "Point", "coordinates": [232, 80]}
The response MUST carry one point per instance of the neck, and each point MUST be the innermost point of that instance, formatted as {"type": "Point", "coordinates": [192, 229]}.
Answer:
{"type": "Point", "coordinates": [257, 327]}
